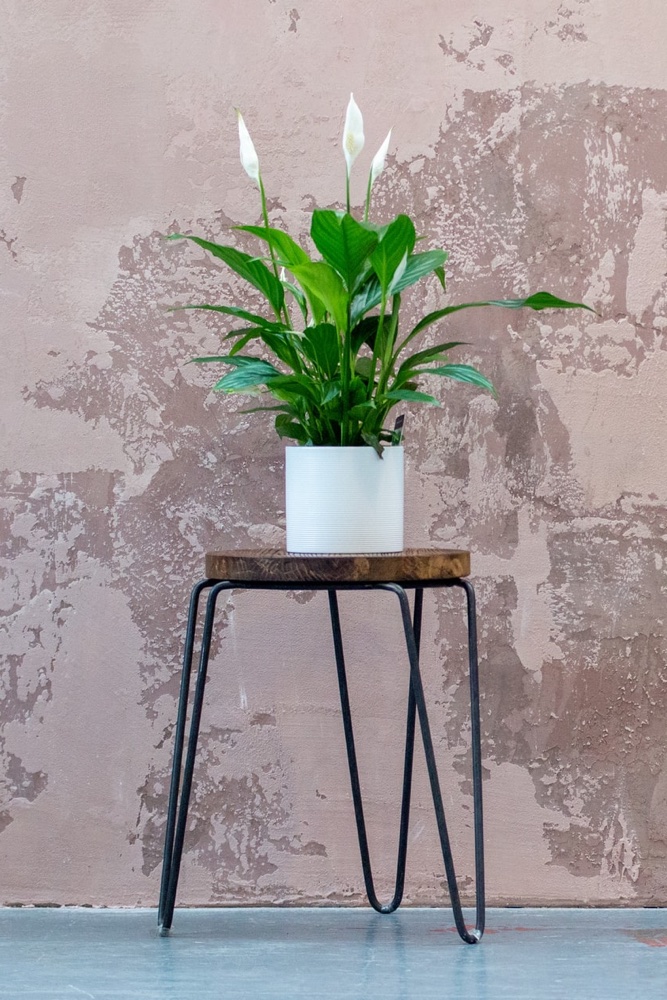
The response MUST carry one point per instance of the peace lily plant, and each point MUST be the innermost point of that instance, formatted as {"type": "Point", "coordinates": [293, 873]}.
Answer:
{"type": "Point", "coordinates": [339, 359]}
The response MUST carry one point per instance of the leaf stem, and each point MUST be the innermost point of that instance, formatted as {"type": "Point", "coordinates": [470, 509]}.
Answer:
{"type": "Point", "coordinates": [368, 195]}
{"type": "Point", "coordinates": [265, 216]}
{"type": "Point", "coordinates": [387, 363]}
{"type": "Point", "coordinates": [345, 377]}
{"type": "Point", "coordinates": [376, 345]}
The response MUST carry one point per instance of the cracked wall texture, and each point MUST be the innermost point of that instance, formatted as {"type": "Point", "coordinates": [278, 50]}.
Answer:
{"type": "Point", "coordinates": [529, 139]}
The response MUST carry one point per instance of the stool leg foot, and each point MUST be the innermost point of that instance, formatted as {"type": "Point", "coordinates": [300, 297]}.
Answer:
{"type": "Point", "coordinates": [469, 936]}
{"type": "Point", "coordinates": [354, 769]}
{"type": "Point", "coordinates": [180, 808]}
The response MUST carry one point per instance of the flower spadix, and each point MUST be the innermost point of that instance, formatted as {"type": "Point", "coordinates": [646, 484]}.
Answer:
{"type": "Point", "coordinates": [249, 158]}
{"type": "Point", "coordinates": [353, 133]}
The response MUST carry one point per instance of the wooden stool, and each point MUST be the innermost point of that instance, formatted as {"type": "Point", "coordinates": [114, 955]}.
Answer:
{"type": "Point", "coordinates": [272, 569]}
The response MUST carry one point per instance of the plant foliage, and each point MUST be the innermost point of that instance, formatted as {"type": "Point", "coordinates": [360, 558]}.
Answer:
{"type": "Point", "coordinates": [335, 376]}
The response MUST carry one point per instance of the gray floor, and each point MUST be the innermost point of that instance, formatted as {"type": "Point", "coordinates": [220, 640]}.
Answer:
{"type": "Point", "coordinates": [292, 953]}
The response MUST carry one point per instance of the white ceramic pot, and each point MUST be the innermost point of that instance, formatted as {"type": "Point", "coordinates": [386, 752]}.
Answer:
{"type": "Point", "coordinates": [340, 500]}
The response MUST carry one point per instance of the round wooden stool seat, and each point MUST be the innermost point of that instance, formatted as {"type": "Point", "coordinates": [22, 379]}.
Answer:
{"type": "Point", "coordinates": [278, 566]}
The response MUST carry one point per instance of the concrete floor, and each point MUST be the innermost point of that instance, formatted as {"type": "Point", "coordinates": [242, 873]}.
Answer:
{"type": "Point", "coordinates": [62, 954]}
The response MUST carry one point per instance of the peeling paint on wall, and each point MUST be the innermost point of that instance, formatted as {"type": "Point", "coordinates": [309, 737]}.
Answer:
{"type": "Point", "coordinates": [120, 468]}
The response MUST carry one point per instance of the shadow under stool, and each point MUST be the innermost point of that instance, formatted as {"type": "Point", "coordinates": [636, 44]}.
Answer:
{"type": "Point", "coordinates": [273, 569]}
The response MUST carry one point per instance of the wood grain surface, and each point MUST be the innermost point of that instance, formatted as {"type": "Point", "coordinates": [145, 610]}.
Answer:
{"type": "Point", "coordinates": [278, 566]}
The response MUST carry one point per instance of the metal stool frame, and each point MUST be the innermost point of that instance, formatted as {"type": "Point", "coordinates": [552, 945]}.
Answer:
{"type": "Point", "coordinates": [179, 795]}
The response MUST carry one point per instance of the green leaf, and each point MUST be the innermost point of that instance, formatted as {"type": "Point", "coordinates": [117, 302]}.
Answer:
{"type": "Point", "coordinates": [247, 267]}
{"type": "Point", "coordinates": [375, 227]}
{"type": "Point", "coordinates": [287, 427]}
{"type": "Point", "coordinates": [242, 332]}
{"type": "Point", "coordinates": [322, 283]}
{"type": "Point", "coordinates": [438, 314]}
{"type": "Point", "coordinates": [244, 340]}
{"type": "Point", "coordinates": [363, 367]}
{"type": "Point", "coordinates": [298, 296]}
{"type": "Point", "coordinates": [317, 307]}
{"type": "Point", "coordinates": [249, 372]}
{"type": "Point", "coordinates": [539, 301]}
{"type": "Point", "coordinates": [287, 387]}
{"type": "Point", "coordinates": [284, 347]}
{"type": "Point", "coordinates": [412, 396]}
{"type": "Point", "coordinates": [265, 409]}
{"type": "Point", "coordinates": [288, 249]}
{"type": "Point", "coordinates": [397, 242]}
{"type": "Point", "coordinates": [343, 242]}
{"type": "Point", "coordinates": [321, 345]}
{"type": "Point", "coordinates": [461, 373]}
{"type": "Point", "coordinates": [267, 324]}
{"type": "Point", "coordinates": [242, 361]}
{"type": "Point", "coordinates": [213, 357]}
{"type": "Point", "coordinates": [330, 391]}
{"type": "Point", "coordinates": [418, 266]}
{"type": "Point", "coordinates": [368, 296]}
{"type": "Point", "coordinates": [361, 410]}
{"type": "Point", "coordinates": [373, 441]}
{"type": "Point", "coordinates": [428, 354]}
{"type": "Point", "coordinates": [364, 333]}
{"type": "Point", "coordinates": [357, 391]}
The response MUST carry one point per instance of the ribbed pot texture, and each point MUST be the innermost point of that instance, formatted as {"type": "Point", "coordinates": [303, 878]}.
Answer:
{"type": "Point", "coordinates": [344, 500]}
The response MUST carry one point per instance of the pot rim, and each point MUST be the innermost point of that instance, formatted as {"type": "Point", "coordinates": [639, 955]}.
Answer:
{"type": "Point", "coordinates": [339, 447]}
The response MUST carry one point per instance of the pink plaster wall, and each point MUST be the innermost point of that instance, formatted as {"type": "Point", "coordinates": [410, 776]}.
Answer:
{"type": "Point", "coordinates": [529, 138]}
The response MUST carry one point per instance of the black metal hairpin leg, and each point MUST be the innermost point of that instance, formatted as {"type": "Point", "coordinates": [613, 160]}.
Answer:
{"type": "Point", "coordinates": [177, 815]}
{"type": "Point", "coordinates": [354, 770]}
{"type": "Point", "coordinates": [471, 937]}
{"type": "Point", "coordinates": [178, 808]}
{"type": "Point", "coordinates": [179, 739]}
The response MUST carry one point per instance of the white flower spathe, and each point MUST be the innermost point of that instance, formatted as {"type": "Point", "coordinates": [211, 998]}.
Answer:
{"type": "Point", "coordinates": [353, 133]}
{"type": "Point", "coordinates": [377, 166]}
{"type": "Point", "coordinates": [249, 158]}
